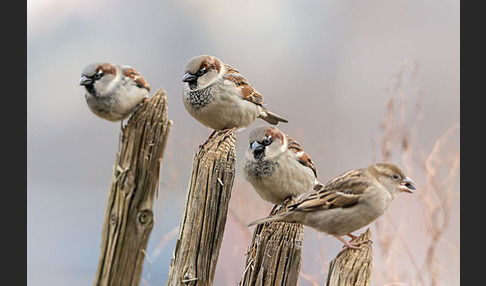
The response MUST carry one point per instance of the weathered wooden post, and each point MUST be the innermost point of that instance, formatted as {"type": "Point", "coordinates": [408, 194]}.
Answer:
{"type": "Point", "coordinates": [129, 217]}
{"type": "Point", "coordinates": [353, 266]}
{"type": "Point", "coordinates": [274, 257]}
{"type": "Point", "coordinates": [203, 221]}
{"type": "Point", "coordinates": [275, 254]}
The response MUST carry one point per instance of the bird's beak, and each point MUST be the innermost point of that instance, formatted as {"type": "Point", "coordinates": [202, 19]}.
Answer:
{"type": "Point", "coordinates": [85, 80]}
{"type": "Point", "coordinates": [407, 185]}
{"type": "Point", "coordinates": [257, 147]}
{"type": "Point", "coordinates": [189, 78]}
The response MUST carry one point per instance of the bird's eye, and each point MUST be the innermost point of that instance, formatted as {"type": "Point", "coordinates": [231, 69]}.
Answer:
{"type": "Point", "coordinates": [201, 71]}
{"type": "Point", "coordinates": [395, 176]}
{"type": "Point", "coordinates": [97, 75]}
{"type": "Point", "coordinates": [267, 141]}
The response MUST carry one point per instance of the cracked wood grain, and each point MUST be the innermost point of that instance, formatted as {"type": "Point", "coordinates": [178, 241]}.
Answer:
{"type": "Point", "coordinates": [129, 218]}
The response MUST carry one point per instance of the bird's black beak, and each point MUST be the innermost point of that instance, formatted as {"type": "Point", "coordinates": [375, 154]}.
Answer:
{"type": "Point", "coordinates": [257, 147]}
{"type": "Point", "coordinates": [85, 80]}
{"type": "Point", "coordinates": [407, 185]}
{"type": "Point", "coordinates": [189, 78]}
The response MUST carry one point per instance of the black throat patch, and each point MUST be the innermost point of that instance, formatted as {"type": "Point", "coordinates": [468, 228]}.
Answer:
{"type": "Point", "coordinates": [91, 90]}
{"type": "Point", "coordinates": [260, 168]}
{"type": "Point", "coordinates": [258, 155]}
{"type": "Point", "coordinates": [200, 98]}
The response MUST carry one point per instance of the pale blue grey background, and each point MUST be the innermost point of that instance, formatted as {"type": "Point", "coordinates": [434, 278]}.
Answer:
{"type": "Point", "coordinates": [321, 64]}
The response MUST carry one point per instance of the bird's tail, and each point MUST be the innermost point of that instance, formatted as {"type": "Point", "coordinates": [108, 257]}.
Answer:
{"type": "Point", "coordinates": [267, 219]}
{"type": "Point", "coordinates": [272, 118]}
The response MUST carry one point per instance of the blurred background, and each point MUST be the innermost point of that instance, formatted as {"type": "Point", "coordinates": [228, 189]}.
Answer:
{"type": "Point", "coordinates": [359, 82]}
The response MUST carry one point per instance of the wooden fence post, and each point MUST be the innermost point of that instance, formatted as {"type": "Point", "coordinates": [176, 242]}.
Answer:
{"type": "Point", "coordinates": [203, 221]}
{"type": "Point", "coordinates": [274, 257]}
{"type": "Point", "coordinates": [275, 254]}
{"type": "Point", "coordinates": [129, 216]}
{"type": "Point", "coordinates": [353, 266]}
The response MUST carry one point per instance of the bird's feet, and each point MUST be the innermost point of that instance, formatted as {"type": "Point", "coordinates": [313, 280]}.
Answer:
{"type": "Point", "coordinates": [228, 132]}
{"type": "Point", "coordinates": [207, 140]}
{"type": "Point", "coordinates": [352, 243]}
{"type": "Point", "coordinates": [285, 202]}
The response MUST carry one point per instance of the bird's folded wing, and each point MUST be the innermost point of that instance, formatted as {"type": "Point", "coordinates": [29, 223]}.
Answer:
{"type": "Point", "coordinates": [342, 192]}
{"type": "Point", "coordinates": [136, 76]}
{"type": "Point", "coordinates": [303, 158]}
{"type": "Point", "coordinates": [247, 91]}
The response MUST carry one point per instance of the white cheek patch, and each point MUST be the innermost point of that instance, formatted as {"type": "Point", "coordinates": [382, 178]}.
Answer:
{"type": "Point", "coordinates": [283, 148]}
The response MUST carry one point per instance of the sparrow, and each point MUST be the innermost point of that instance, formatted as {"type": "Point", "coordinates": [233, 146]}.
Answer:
{"type": "Point", "coordinates": [113, 92]}
{"type": "Point", "coordinates": [348, 202]}
{"type": "Point", "coordinates": [277, 166]}
{"type": "Point", "coordinates": [220, 98]}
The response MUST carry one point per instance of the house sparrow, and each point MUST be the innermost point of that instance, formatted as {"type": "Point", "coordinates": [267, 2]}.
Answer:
{"type": "Point", "coordinates": [348, 202]}
{"type": "Point", "coordinates": [276, 165]}
{"type": "Point", "coordinates": [219, 97]}
{"type": "Point", "coordinates": [113, 92]}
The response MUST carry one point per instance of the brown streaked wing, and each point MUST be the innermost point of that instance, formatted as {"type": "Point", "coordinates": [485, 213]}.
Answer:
{"type": "Point", "coordinates": [304, 158]}
{"type": "Point", "coordinates": [247, 91]}
{"type": "Point", "coordinates": [137, 77]}
{"type": "Point", "coordinates": [341, 192]}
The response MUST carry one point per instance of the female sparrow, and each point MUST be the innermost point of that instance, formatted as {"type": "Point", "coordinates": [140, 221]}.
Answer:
{"type": "Point", "coordinates": [348, 202]}
{"type": "Point", "coordinates": [276, 165]}
{"type": "Point", "coordinates": [113, 92]}
{"type": "Point", "coordinates": [219, 97]}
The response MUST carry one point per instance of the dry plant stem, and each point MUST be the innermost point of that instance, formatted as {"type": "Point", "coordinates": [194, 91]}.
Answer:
{"type": "Point", "coordinates": [352, 266]}
{"type": "Point", "coordinates": [203, 222]}
{"type": "Point", "coordinates": [275, 254]}
{"type": "Point", "coordinates": [440, 167]}
{"type": "Point", "coordinates": [129, 216]}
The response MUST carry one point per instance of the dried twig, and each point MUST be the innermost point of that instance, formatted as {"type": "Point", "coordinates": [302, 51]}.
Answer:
{"type": "Point", "coordinates": [435, 172]}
